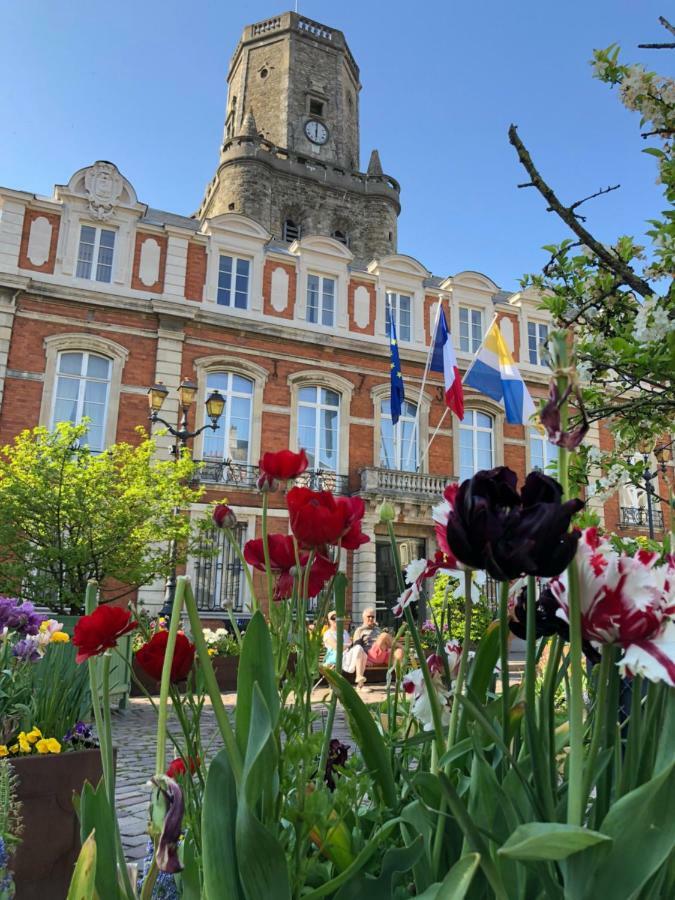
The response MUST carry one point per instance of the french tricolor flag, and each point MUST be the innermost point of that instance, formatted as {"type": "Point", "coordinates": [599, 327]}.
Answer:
{"type": "Point", "coordinates": [444, 360]}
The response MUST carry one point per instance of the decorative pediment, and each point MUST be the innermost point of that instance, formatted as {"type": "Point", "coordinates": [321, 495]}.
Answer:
{"type": "Point", "coordinates": [235, 224]}
{"type": "Point", "coordinates": [104, 187]}
{"type": "Point", "coordinates": [401, 264]}
{"type": "Point", "coordinates": [319, 243]}
{"type": "Point", "coordinates": [475, 280]}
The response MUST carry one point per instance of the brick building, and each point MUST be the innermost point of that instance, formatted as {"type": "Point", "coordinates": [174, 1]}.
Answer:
{"type": "Point", "coordinates": [276, 293]}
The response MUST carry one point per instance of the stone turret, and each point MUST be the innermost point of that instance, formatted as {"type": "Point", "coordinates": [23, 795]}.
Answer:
{"type": "Point", "coordinates": [374, 164]}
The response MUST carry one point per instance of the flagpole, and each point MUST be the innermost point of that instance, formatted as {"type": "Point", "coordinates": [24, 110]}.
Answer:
{"type": "Point", "coordinates": [416, 426]}
{"type": "Point", "coordinates": [431, 439]}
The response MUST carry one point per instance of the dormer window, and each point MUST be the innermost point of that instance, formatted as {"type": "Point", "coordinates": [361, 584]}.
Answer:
{"type": "Point", "coordinates": [470, 329]}
{"type": "Point", "coordinates": [95, 254]}
{"type": "Point", "coordinates": [316, 107]}
{"type": "Point", "coordinates": [291, 231]}
{"type": "Point", "coordinates": [399, 309]}
{"type": "Point", "coordinates": [537, 338]}
{"type": "Point", "coordinates": [342, 237]}
{"type": "Point", "coordinates": [321, 300]}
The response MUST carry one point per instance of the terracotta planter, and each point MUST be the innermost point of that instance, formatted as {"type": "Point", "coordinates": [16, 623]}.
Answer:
{"type": "Point", "coordinates": [225, 668]}
{"type": "Point", "coordinates": [43, 863]}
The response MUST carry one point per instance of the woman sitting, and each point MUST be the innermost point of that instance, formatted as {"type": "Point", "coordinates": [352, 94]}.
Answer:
{"type": "Point", "coordinates": [330, 637]}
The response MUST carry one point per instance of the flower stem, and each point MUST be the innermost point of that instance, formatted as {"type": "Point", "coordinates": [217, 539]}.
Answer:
{"type": "Point", "coordinates": [340, 586]}
{"type": "Point", "coordinates": [463, 663]}
{"type": "Point", "coordinates": [234, 543]}
{"type": "Point", "coordinates": [598, 717]}
{"type": "Point", "coordinates": [160, 750]}
{"type": "Point", "coordinates": [504, 656]}
{"type": "Point", "coordinates": [266, 551]}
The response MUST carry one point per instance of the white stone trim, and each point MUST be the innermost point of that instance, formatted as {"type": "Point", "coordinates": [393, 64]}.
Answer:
{"type": "Point", "coordinates": [58, 343]}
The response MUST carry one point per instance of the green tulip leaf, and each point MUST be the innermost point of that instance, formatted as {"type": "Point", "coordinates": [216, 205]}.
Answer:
{"type": "Point", "coordinates": [549, 841]}
{"type": "Point", "coordinates": [96, 815]}
{"type": "Point", "coordinates": [219, 814]}
{"type": "Point", "coordinates": [256, 665]}
{"type": "Point", "coordinates": [82, 884]}
{"type": "Point", "coordinates": [366, 735]}
{"type": "Point", "coordinates": [456, 883]}
{"type": "Point", "coordinates": [396, 860]}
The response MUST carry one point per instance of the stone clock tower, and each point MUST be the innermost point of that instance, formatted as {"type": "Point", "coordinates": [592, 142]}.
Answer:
{"type": "Point", "coordinates": [290, 152]}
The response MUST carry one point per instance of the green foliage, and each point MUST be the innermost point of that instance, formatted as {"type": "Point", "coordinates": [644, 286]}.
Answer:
{"type": "Point", "coordinates": [60, 692]}
{"type": "Point", "coordinates": [68, 515]}
{"type": "Point", "coordinates": [481, 615]}
{"type": "Point", "coordinates": [11, 824]}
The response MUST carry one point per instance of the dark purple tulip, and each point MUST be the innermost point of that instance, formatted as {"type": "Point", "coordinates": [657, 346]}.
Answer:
{"type": "Point", "coordinates": [493, 527]}
{"type": "Point", "coordinates": [167, 846]}
{"type": "Point", "coordinates": [337, 756]}
{"type": "Point", "coordinates": [550, 419]}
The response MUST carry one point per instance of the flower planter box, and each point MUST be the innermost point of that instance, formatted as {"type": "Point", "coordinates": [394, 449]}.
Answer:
{"type": "Point", "coordinates": [44, 861]}
{"type": "Point", "coordinates": [225, 668]}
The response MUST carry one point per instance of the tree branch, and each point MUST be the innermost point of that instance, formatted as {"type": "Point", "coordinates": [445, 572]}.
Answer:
{"type": "Point", "coordinates": [611, 260]}
{"type": "Point", "coordinates": [592, 197]}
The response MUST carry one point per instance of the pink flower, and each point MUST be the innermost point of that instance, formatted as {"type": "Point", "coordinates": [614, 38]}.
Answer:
{"type": "Point", "coordinates": [625, 600]}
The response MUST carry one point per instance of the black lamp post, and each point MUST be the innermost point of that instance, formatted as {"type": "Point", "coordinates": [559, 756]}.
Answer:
{"type": "Point", "coordinates": [215, 404]}
{"type": "Point", "coordinates": [649, 477]}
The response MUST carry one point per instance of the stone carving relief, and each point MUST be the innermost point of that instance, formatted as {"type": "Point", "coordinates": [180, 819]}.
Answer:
{"type": "Point", "coordinates": [104, 185]}
{"type": "Point", "coordinates": [148, 269]}
{"type": "Point", "coordinates": [279, 298]}
{"type": "Point", "coordinates": [39, 241]}
{"type": "Point", "coordinates": [362, 306]}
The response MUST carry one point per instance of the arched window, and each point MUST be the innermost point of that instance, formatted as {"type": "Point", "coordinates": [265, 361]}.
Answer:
{"type": "Point", "coordinates": [232, 440]}
{"type": "Point", "coordinates": [342, 237]}
{"type": "Point", "coordinates": [291, 231]}
{"type": "Point", "coordinates": [319, 426]}
{"type": "Point", "coordinates": [543, 454]}
{"type": "Point", "coordinates": [399, 443]}
{"type": "Point", "coordinates": [476, 443]}
{"type": "Point", "coordinates": [82, 391]}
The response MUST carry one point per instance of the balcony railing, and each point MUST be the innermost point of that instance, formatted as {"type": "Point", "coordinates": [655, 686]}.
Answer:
{"type": "Point", "coordinates": [394, 483]}
{"type": "Point", "coordinates": [638, 517]}
{"type": "Point", "coordinates": [241, 476]}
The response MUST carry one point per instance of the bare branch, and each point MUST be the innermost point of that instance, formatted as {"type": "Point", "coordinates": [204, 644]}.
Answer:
{"type": "Point", "coordinates": [611, 260]}
{"type": "Point", "coordinates": [599, 193]}
{"type": "Point", "coordinates": [668, 131]}
{"type": "Point", "coordinates": [657, 46]}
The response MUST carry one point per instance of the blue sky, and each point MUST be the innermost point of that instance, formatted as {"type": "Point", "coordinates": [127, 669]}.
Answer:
{"type": "Point", "coordinates": [143, 84]}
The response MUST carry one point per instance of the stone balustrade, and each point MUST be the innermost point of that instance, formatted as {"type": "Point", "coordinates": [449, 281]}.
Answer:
{"type": "Point", "coordinates": [394, 483]}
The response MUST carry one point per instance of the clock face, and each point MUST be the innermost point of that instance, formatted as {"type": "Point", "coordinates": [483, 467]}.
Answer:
{"type": "Point", "coordinates": [316, 131]}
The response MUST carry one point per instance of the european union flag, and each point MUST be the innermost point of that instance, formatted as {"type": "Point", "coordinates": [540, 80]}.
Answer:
{"type": "Point", "coordinates": [397, 394]}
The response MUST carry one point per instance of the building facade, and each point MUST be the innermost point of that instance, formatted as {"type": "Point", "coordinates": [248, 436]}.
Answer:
{"type": "Point", "coordinates": [276, 293]}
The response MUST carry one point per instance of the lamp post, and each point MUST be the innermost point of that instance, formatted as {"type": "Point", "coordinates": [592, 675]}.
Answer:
{"type": "Point", "coordinates": [215, 404]}
{"type": "Point", "coordinates": [649, 477]}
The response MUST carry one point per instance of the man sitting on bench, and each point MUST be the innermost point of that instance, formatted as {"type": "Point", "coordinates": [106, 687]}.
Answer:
{"type": "Point", "coordinates": [370, 647]}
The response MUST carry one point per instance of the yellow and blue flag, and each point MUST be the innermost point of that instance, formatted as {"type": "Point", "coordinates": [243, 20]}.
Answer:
{"type": "Point", "coordinates": [494, 373]}
{"type": "Point", "coordinates": [397, 393]}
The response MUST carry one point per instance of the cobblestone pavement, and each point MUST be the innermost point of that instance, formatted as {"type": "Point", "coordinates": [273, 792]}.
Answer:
{"type": "Point", "coordinates": [134, 732]}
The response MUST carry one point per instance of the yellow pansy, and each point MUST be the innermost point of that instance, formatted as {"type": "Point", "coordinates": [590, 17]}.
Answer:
{"type": "Point", "coordinates": [48, 745]}
{"type": "Point", "coordinates": [24, 743]}
{"type": "Point", "coordinates": [33, 735]}
{"type": "Point", "coordinates": [60, 637]}
{"type": "Point", "coordinates": [14, 748]}
{"type": "Point", "coordinates": [212, 651]}
{"type": "Point", "coordinates": [3, 750]}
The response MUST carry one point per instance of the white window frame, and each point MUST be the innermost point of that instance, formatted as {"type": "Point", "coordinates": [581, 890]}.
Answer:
{"type": "Point", "coordinates": [550, 451]}
{"type": "Point", "coordinates": [541, 330]}
{"type": "Point", "coordinates": [393, 303]}
{"type": "Point", "coordinates": [319, 407]}
{"type": "Point", "coordinates": [333, 382]}
{"type": "Point", "coordinates": [321, 300]}
{"type": "Point", "coordinates": [475, 429]}
{"type": "Point", "coordinates": [226, 418]}
{"type": "Point", "coordinates": [81, 388]}
{"type": "Point", "coordinates": [467, 342]}
{"type": "Point", "coordinates": [233, 281]}
{"type": "Point", "coordinates": [95, 260]}
{"type": "Point", "coordinates": [404, 418]}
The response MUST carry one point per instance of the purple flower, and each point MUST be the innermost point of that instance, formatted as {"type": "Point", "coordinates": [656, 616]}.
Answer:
{"type": "Point", "coordinates": [20, 617]}
{"type": "Point", "coordinates": [80, 733]}
{"type": "Point", "coordinates": [494, 527]}
{"type": "Point", "coordinates": [27, 650]}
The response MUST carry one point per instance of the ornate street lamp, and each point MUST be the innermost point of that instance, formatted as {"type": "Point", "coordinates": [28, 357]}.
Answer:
{"type": "Point", "coordinates": [215, 404]}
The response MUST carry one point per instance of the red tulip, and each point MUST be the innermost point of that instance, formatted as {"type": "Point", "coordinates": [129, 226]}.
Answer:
{"type": "Point", "coordinates": [151, 656]}
{"type": "Point", "coordinates": [178, 768]}
{"type": "Point", "coordinates": [283, 563]}
{"type": "Point", "coordinates": [353, 538]}
{"type": "Point", "coordinates": [318, 518]}
{"type": "Point", "coordinates": [224, 516]}
{"type": "Point", "coordinates": [100, 631]}
{"type": "Point", "coordinates": [281, 466]}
